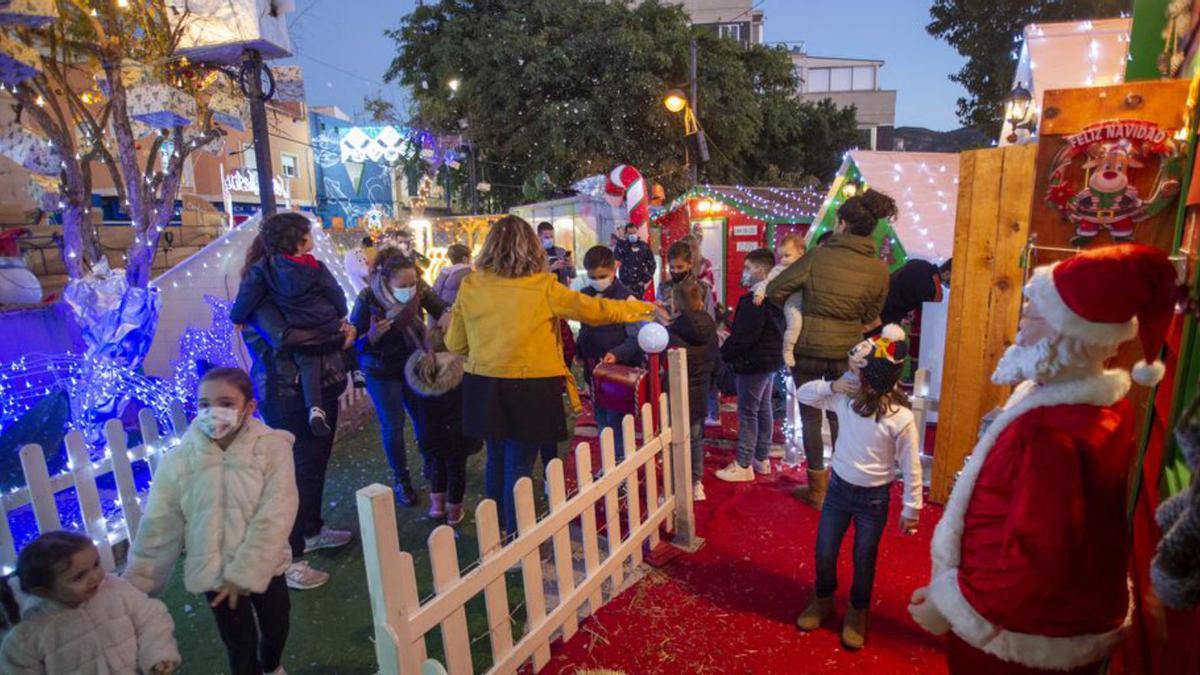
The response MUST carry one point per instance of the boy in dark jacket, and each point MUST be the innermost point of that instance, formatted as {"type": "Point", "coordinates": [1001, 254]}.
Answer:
{"type": "Point", "coordinates": [755, 351]}
{"type": "Point", "coordinates": [637, 261]}
{"type": "Point", "coordinates": [280, 268]}
{"type": "Point", "coordinates": [696, 331]}
{"type": "Point", "coordinates": [615, 343]}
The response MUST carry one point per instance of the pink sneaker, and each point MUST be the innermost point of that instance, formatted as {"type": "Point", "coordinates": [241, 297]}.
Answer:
{"type": "Point", "coordinates": [437, 505]}
{"type": "Point", "coordinates": [455, 514]}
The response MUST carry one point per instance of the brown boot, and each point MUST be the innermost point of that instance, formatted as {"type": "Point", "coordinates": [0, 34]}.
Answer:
{"type": "Point", "coordinates": [813, 494]}
{"type": "Point", "coordinates": [854, 628]}
{"type": "Point", "coordinates": [815, 614]}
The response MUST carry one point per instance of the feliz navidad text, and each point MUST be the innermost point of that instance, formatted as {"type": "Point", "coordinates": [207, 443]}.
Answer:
{"type": "Point", "coordinates": [1144, 132]}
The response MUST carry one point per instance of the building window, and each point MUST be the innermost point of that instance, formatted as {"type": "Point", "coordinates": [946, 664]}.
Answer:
{"type": "Point", "coordinates": [840, 79]}
{"type": "Point", "coordinates": [864, 78]}
{"type": "Point", "coordinates": [289, 165]}
{"type": "Point", "coordinates": [732, 31]}
{"type": "Point", "coordinates": [818, 79]}
{"type": "Point", "coordinates": [248, 159]}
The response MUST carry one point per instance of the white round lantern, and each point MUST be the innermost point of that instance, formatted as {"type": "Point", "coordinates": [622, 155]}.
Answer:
{"type": "Point", "coordinates": [653, 338]}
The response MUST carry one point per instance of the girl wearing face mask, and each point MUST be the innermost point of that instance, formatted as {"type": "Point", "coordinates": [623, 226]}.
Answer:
{"type": "Point", "coordinates": [390, 315]}
{"type": "Point", "coordinates": [225, 498]}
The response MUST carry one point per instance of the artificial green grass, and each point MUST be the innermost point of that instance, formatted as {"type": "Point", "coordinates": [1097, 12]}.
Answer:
{"type": "Point", "coordinates": [331, 627]}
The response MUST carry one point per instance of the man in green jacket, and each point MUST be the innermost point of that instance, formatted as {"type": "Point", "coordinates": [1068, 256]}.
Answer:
{"type": "Point", "coordinates": [843, 285]}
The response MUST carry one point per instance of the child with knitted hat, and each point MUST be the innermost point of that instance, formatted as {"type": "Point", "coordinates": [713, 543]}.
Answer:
{"type": "Point", "coordinates": [877, 431]}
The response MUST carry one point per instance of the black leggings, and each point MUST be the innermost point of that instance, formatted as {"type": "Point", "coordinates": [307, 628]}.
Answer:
{"type": "Point", "coordinates": [309, 366]}
{"type": "Point", "coordinates": [449, 475]}
{"type": "Point", "coordinates": [256, 632]}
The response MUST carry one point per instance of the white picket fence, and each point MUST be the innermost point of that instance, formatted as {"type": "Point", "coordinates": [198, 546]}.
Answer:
{"type": "Point", "coordinates": [41, 488]}
{"type": "Point", "coordinates": [659, 471]}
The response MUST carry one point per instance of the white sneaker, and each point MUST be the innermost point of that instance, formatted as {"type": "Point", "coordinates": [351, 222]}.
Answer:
{"type": "Point", "coordinates": [301, 577]}
{"type": "Point", "coordinates": [762, 468]}
{"type": "Point", "coordinates": [328, 538]}
{"type": "Point", "coordinates": [698, 492]}
{"type": "Point", "coordinates": [735, 473]}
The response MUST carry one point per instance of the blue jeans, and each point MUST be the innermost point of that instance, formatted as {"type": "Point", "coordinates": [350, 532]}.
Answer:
{"type": "Point", "coordinates": [610, 419]}
{"type": "Point", "coordinates": [868, 509]}
{"type": "Point", "coordinates": [390, 405]}
{"type": "Point", "coordinates": [756, 423]}
{"type": "Point", "coordinates": [508, 462]}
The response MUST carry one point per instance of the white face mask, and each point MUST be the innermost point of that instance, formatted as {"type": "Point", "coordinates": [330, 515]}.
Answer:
{"type": "Point", "coordinates": [547, 243]}
{"type": "Point", "coordinates": [403, 294]}
{"type": "Point", "coordinates": [601, 285]}
{"type": "Point", "coordinates": [633, 238]}
{"type": "Point", "coordinates": [217, 423]}
{"type": "Point", "coordinates": [747, 279]}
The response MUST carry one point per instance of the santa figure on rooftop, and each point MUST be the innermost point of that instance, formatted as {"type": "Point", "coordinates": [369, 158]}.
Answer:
{"type": "Point", "coordinates": [1030, 559]}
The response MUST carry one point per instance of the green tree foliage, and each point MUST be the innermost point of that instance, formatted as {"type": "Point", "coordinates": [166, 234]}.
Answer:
{"type": "Point", "coordinates": [573, 87]}
{"type": "Point", "coordinates": [988, 34]}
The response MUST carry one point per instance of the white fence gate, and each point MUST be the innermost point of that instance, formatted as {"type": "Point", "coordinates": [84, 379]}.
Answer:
{"type": "Point", "coordinates": [659, 471]}
{"type": "Point", "coordinates": [41, 488]}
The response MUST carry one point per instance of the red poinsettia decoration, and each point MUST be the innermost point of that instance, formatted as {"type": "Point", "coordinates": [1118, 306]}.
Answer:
{"type": "Point", "coordinates": [1059, 194]}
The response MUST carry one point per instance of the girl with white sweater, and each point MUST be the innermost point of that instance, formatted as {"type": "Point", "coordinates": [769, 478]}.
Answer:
{"type": "Point", "coordinates": [226, 496]}
{"type": "Point", "coordinates": [877, 432]}
{"type": "Point", "coordinates": [73, 617]}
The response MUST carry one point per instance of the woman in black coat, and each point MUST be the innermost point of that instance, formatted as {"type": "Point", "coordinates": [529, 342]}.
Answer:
{"type": "Point", "coordinates": [390, 317]}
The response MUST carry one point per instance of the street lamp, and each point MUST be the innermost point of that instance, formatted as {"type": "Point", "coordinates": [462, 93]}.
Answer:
{"type": "Point", "coordinates": [675, 100]}
{"type": "Point", "coordinates": [453, 84]}
{"type": "Point", "coordinates": [1019, 113]}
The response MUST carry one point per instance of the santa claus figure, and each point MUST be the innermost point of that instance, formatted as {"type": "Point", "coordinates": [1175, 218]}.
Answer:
{"type": "Point", "coordinates": [1030, 558]}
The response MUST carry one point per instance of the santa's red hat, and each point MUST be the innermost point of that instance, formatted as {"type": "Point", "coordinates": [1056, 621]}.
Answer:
{"type": "Point", "coordinates": [1108, 295]}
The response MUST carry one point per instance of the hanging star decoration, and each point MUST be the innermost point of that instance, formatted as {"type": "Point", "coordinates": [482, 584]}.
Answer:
{"type": "Point", "coordinates": [204, 348]}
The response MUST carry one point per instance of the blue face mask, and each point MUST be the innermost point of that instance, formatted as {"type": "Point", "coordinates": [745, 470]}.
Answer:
{"type": "Point", "coordinates": [403, 294]}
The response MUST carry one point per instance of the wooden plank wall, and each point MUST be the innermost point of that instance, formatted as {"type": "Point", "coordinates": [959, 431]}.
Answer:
{"type": "Point", "coordinates": [995, 193]}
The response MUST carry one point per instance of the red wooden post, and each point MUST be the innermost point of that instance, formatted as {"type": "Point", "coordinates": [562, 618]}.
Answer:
{"type": "Point", "coordinates": [655, 391]}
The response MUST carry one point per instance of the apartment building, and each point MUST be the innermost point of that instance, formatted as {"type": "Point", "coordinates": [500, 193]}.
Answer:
{"type": "Point", "coordinates": [735, 19]}
{"type": "Point", "coordinates": [848, 81]}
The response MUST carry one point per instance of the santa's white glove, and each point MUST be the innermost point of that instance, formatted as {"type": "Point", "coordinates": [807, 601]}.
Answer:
{"type": "Point", "coordinates": [926, 614]}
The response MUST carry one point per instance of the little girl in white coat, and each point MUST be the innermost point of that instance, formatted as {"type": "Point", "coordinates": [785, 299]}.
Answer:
{"type": "Point", "coordinates": [226, 495]}
{"type": "Point", "coordinates": [76, 618]}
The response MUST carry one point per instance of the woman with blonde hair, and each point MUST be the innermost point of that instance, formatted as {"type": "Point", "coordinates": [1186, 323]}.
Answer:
{"type": "Point", "coordinates": [505, 321]}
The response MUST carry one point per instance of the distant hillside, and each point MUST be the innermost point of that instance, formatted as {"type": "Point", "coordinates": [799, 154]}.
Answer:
{"type": "Point", "coordinates": [919, 139]}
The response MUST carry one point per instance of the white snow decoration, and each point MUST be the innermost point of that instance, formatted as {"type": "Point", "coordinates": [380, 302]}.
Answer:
{"type": "Point", "coordinates": [222, 30]}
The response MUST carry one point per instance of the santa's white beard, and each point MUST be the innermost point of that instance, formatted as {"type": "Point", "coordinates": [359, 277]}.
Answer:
{"type": "Point", "coordinates": [1051, 359]}
{"type": "Point", "coordinates": [1038, 362]}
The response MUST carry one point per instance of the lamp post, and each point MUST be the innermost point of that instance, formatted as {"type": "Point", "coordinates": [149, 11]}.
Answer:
{"type": "Point", "coordinates": [1019, 114]}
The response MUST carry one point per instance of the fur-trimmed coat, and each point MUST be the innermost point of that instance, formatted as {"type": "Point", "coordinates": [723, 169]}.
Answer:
{"type": "Point", "coordinates": [231, 511]}
{"type": "Point", "coordinates": [437, 405]}
{"type": "Point", "coordinates": [1030, 559]}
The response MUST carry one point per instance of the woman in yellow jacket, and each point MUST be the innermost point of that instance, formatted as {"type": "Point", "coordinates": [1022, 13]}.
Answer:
{"type": "Point", "coordinates": [505, 321]}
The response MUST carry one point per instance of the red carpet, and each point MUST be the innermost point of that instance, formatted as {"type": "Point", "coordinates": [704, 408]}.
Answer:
{"type": "Point", "coordinates": [730, 607]}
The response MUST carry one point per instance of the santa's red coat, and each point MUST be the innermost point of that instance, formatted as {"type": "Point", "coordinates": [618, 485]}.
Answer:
{"type": "Point", "coordinates": [1031, 556]}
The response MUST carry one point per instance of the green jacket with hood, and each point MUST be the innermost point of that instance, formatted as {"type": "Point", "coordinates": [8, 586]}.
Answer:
{"type": "Point", "coordinates": [843, 285]}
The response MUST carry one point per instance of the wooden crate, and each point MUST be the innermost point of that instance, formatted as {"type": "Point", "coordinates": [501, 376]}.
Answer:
{"type": "Point", "coordinates": [994, 196]}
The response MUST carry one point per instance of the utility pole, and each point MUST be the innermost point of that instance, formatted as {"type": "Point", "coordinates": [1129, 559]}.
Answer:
{"type": "Point", "coordinates": [252, 86]}
{"type": "Point", "coordinates": [694, 157]}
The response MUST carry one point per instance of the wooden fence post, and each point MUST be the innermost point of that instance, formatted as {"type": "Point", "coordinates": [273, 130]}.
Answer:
{"type": "Point", "coordinates": [151, 439]}
{"type": "Point", "coordinates": [456, 641]}
{"type": "Point", "coordinates": [651, 475]}
{"type": "Point", "coordinates": [681, 454]}
{"type": "Point", "coordinates": [89, 497]}
{"type": "Point", "coordinates": [41, 494]}
{"type": "Point", "coordinates": [122, 469]}
{"type": "Point", "coordinates": [391, 584]}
